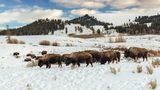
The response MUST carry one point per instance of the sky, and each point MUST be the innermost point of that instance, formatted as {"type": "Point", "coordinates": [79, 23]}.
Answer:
{"type": "Point", "coordinates": [16, 13]}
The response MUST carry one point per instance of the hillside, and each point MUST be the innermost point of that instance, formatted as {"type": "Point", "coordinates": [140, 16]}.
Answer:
{"type": "Point", "coordinates": [46, 26]}
{"type": "Point", "coordinates": [39, 27]}
{"type": "Point", "coordinates": [88, 21]}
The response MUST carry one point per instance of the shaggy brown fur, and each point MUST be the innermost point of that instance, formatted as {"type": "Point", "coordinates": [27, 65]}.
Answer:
{"type": "Point", "coordinates": [49, 59]}
{"type": "Point", "coordinates": [79, 57]}
{"type": "Point", "coordinates": [95, 54]}
{"type": "Point", "coordinates": [135, 53]}
{"type": "Point", "coordinates": [108, 56]}
{"type": "Point", "coordinates": [118, 55]}
{"type": "Point", "coordinates": [65, 57]}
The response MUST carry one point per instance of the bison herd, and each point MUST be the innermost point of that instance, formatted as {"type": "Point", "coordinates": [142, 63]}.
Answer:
{"type": "Point", "coordinates": [88, 56]}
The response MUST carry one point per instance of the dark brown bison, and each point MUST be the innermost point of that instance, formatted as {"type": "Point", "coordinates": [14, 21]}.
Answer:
{"type": "Point", "coordinates": [49, 59]}
{"type": "Point", "coordinates": [135, 53]}
{"type": "Point", "coordinates": [95, 54]}
{"type": "Point", "coordinates": [108, 56]}
{"type": "Point", "coordinates": [31, 55]}
{"type": "Point", "coordinates": [79, 57]}
{"type": "Point", "coordinates": [27, 59]}
{"type": "Point", "coordinates": [44, 52]}
{"type": "Point", "coordinates": [16, 54]}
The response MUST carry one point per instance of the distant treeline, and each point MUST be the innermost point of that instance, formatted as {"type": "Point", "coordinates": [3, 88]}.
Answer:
{"type": "Point", "coordinates": [141, 25]}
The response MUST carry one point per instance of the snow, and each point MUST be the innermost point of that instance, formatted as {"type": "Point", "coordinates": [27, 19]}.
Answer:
{"type": "Point", "coordinates": [16, 76]}
{"type": "Point", "coordinates": [71, 30]}
{"type": "Point", "coordinates": [112, 32]}
{"type": "Point", "coordinates": [149, 24]}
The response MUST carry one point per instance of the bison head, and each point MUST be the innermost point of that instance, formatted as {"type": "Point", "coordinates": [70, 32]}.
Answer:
{"type": "Point", "coordinates": [126, 53]}
{"type": "Point", "coordinates": [68, 61]}
{"type": "Point", "coordinates": [103, 61]}
{"type": "Point", "coordinates": [40, 63]}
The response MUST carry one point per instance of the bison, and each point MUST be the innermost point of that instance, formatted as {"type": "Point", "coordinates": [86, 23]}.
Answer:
{"type": "Point", "coordinates": [49, 59]}
{"type": "Point", "coordinates": [79, 57]}
{"type": "Point", "coordinates": [16, 54]}
{"type": "Point", "coordinates": [135, 53]}
{"type": "Point", "coordinates": [27, 59]}
{"type": "Point", "coordinates": [31, 55]}
{"type": "Point", "coordinates": [109, 56]}
{"type": "Point", "coordinates": [95, 54]}
{"type": "Point", "coordinates": [44, 52]}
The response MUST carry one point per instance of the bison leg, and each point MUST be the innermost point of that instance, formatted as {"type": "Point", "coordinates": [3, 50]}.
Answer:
{"type": "Point", "coordinates": [59, 64]}
{"type": "Point", "coordinates": [146, 58]}
{"type": "Point", "coordinates": [87, 63]}
{"type": "Point", "coordinates": [49, 66]}
{"type": "Point", "coordinates": [143, 58]}
{"type": "Point", "coordinates": [109, 61]}
{"type": "Point", "coordinates": [91, 64]}
{"type": "Point", "coordinates": [78, 64]}
{"type": "Point", "coordinates": [112, 61]}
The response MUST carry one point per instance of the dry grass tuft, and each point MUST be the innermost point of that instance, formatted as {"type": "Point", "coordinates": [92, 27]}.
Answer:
{"type": "Point", "coordinates": [55, 77]}
{"type": "Point", "coordinates": [153, 84]}
{"type": "Point", "coordinates": [149, 69]}
{"type": "Point", "coordinates": [21, 42]}
{"type": "Point", "coordinates": [73, 67]}
{"type": "Point", "coordinates": [32, 63]}
{"type": "Point", "coordinates": [156, 63]}
{"type": "Point", "coordinates": [29, 87]}
{"type": "Point", "coordinates": [12, 41]}
{"type": "Point", "coordinates": [120, 39]}
{"type": "Point", "coordinates": [55, 44]}
{"type": "Point", "coordinates": [111, 40]}
{"type": "Point", "coordinates": [69, 44]}
{"type": "Point", "coordinates": [139, 69]}
{"type": "Point", "coordinates": [44, 42]}
{"type": "Point", "coordinates": [114, 70]}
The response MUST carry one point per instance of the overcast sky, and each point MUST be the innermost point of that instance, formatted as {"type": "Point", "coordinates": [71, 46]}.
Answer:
{"type": "Point", "coordinates": [17, 13]}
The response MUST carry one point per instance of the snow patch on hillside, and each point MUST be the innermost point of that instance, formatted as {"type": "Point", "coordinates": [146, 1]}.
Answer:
{"type": "Point", "coordinates": [71, 30]}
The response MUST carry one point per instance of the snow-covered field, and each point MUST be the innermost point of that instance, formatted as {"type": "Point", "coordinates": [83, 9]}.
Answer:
{"type": "Point", "coordinates": [16, 76]}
